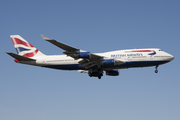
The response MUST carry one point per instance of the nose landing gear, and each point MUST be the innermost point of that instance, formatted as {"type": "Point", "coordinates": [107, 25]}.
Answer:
{"type": "Point", "coordinates": [156, 71]}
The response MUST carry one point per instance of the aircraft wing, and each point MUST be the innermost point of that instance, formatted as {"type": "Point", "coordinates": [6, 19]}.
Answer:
{"type": "Point", "coordinates": [59, 44]}
{"type": "Point", "coordinates": [73, 52]}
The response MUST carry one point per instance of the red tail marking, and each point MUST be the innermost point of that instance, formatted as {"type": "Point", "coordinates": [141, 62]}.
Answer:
{"type": "Point", "coordinates": [31, 54]}
{"type": "Point", "coordinates": [13, 41]}
{"type": "Point", "coordinates": [18, 41]}
{"type": "Point", "coordinates": [16, 60]}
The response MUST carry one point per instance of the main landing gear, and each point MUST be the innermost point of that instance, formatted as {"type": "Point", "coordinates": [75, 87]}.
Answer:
{"type": "Point", "coordinates": [156, 71]}
{"type": "Point", "coordinates": [98, 74]}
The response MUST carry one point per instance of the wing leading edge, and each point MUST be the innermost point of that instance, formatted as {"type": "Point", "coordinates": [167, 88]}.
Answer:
{"type": "Point", "coordinates": [60, 45]}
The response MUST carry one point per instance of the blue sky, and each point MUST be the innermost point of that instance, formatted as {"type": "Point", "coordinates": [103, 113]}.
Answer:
{"type": "Point", "coordinates": [28, 92]}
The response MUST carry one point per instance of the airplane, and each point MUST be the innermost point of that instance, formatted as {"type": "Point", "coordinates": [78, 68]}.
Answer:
{"type": "Point", "coordinates": [86, 62]}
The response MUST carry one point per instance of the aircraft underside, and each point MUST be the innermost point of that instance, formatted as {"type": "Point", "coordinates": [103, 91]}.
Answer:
{"type": "Point", "coordinates": [98, 72]}
{"type": "Point", "coordinates": [126, 65]}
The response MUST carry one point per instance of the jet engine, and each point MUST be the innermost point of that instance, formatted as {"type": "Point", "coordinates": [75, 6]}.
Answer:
{"type": "Point", "coordinates": [112, 72]}
{"type": "Point", "coordinates": [108, 62]}
{"type": "Point", "coordinates": [111, 62]}
{"type": "Point", "coordinates": [78, 54]}
{"type": "Point", "coordinates": [84, 55]}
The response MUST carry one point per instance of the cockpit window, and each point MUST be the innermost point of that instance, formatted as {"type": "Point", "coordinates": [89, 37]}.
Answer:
{"type": "Point", "coordinates": [160, 50]}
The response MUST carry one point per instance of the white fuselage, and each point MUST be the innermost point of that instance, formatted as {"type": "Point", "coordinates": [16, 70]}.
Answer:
{"type": "Point", "coordinates": [130, 57]}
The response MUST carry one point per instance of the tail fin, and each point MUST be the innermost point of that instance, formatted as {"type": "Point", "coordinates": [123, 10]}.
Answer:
{"type": "Point", "coordinates": [24, 48]}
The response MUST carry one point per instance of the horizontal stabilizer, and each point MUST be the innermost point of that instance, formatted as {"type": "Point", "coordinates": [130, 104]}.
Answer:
{"type": "Point", "coordinates": [19, 57]}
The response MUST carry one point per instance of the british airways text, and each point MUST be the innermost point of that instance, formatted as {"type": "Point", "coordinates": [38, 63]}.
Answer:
{"type": "Point", "coordinates": [124, 55]}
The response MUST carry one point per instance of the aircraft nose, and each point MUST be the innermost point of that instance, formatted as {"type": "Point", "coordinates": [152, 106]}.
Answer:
{"type": "Point", "coordinates": [171, 58]}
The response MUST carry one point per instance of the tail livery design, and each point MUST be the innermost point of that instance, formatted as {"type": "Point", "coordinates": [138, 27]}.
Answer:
{"type": "Point", "coordinates": [24, 48]}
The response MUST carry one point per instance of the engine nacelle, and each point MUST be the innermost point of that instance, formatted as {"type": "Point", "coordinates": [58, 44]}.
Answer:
{"type": "Point", "coordinates": [108, 62]}
{"type": "Point", "coordinates": [84, 55]}
{"type": "Point", "coordinates": [112, 72]}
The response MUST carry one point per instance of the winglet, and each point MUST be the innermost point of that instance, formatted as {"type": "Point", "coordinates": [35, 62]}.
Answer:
{"type": "Point", "coordinates": [45, 38]}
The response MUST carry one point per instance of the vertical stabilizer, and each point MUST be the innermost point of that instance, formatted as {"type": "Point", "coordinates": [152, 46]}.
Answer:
{"type": "Point", "coordinates": [24, 48]}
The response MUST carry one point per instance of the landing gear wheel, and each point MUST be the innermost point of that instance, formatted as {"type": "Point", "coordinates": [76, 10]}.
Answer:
{"type": "Point", "coordinates": [99, 75]}
{"type": "Point", "coordinates": [156, 71]}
